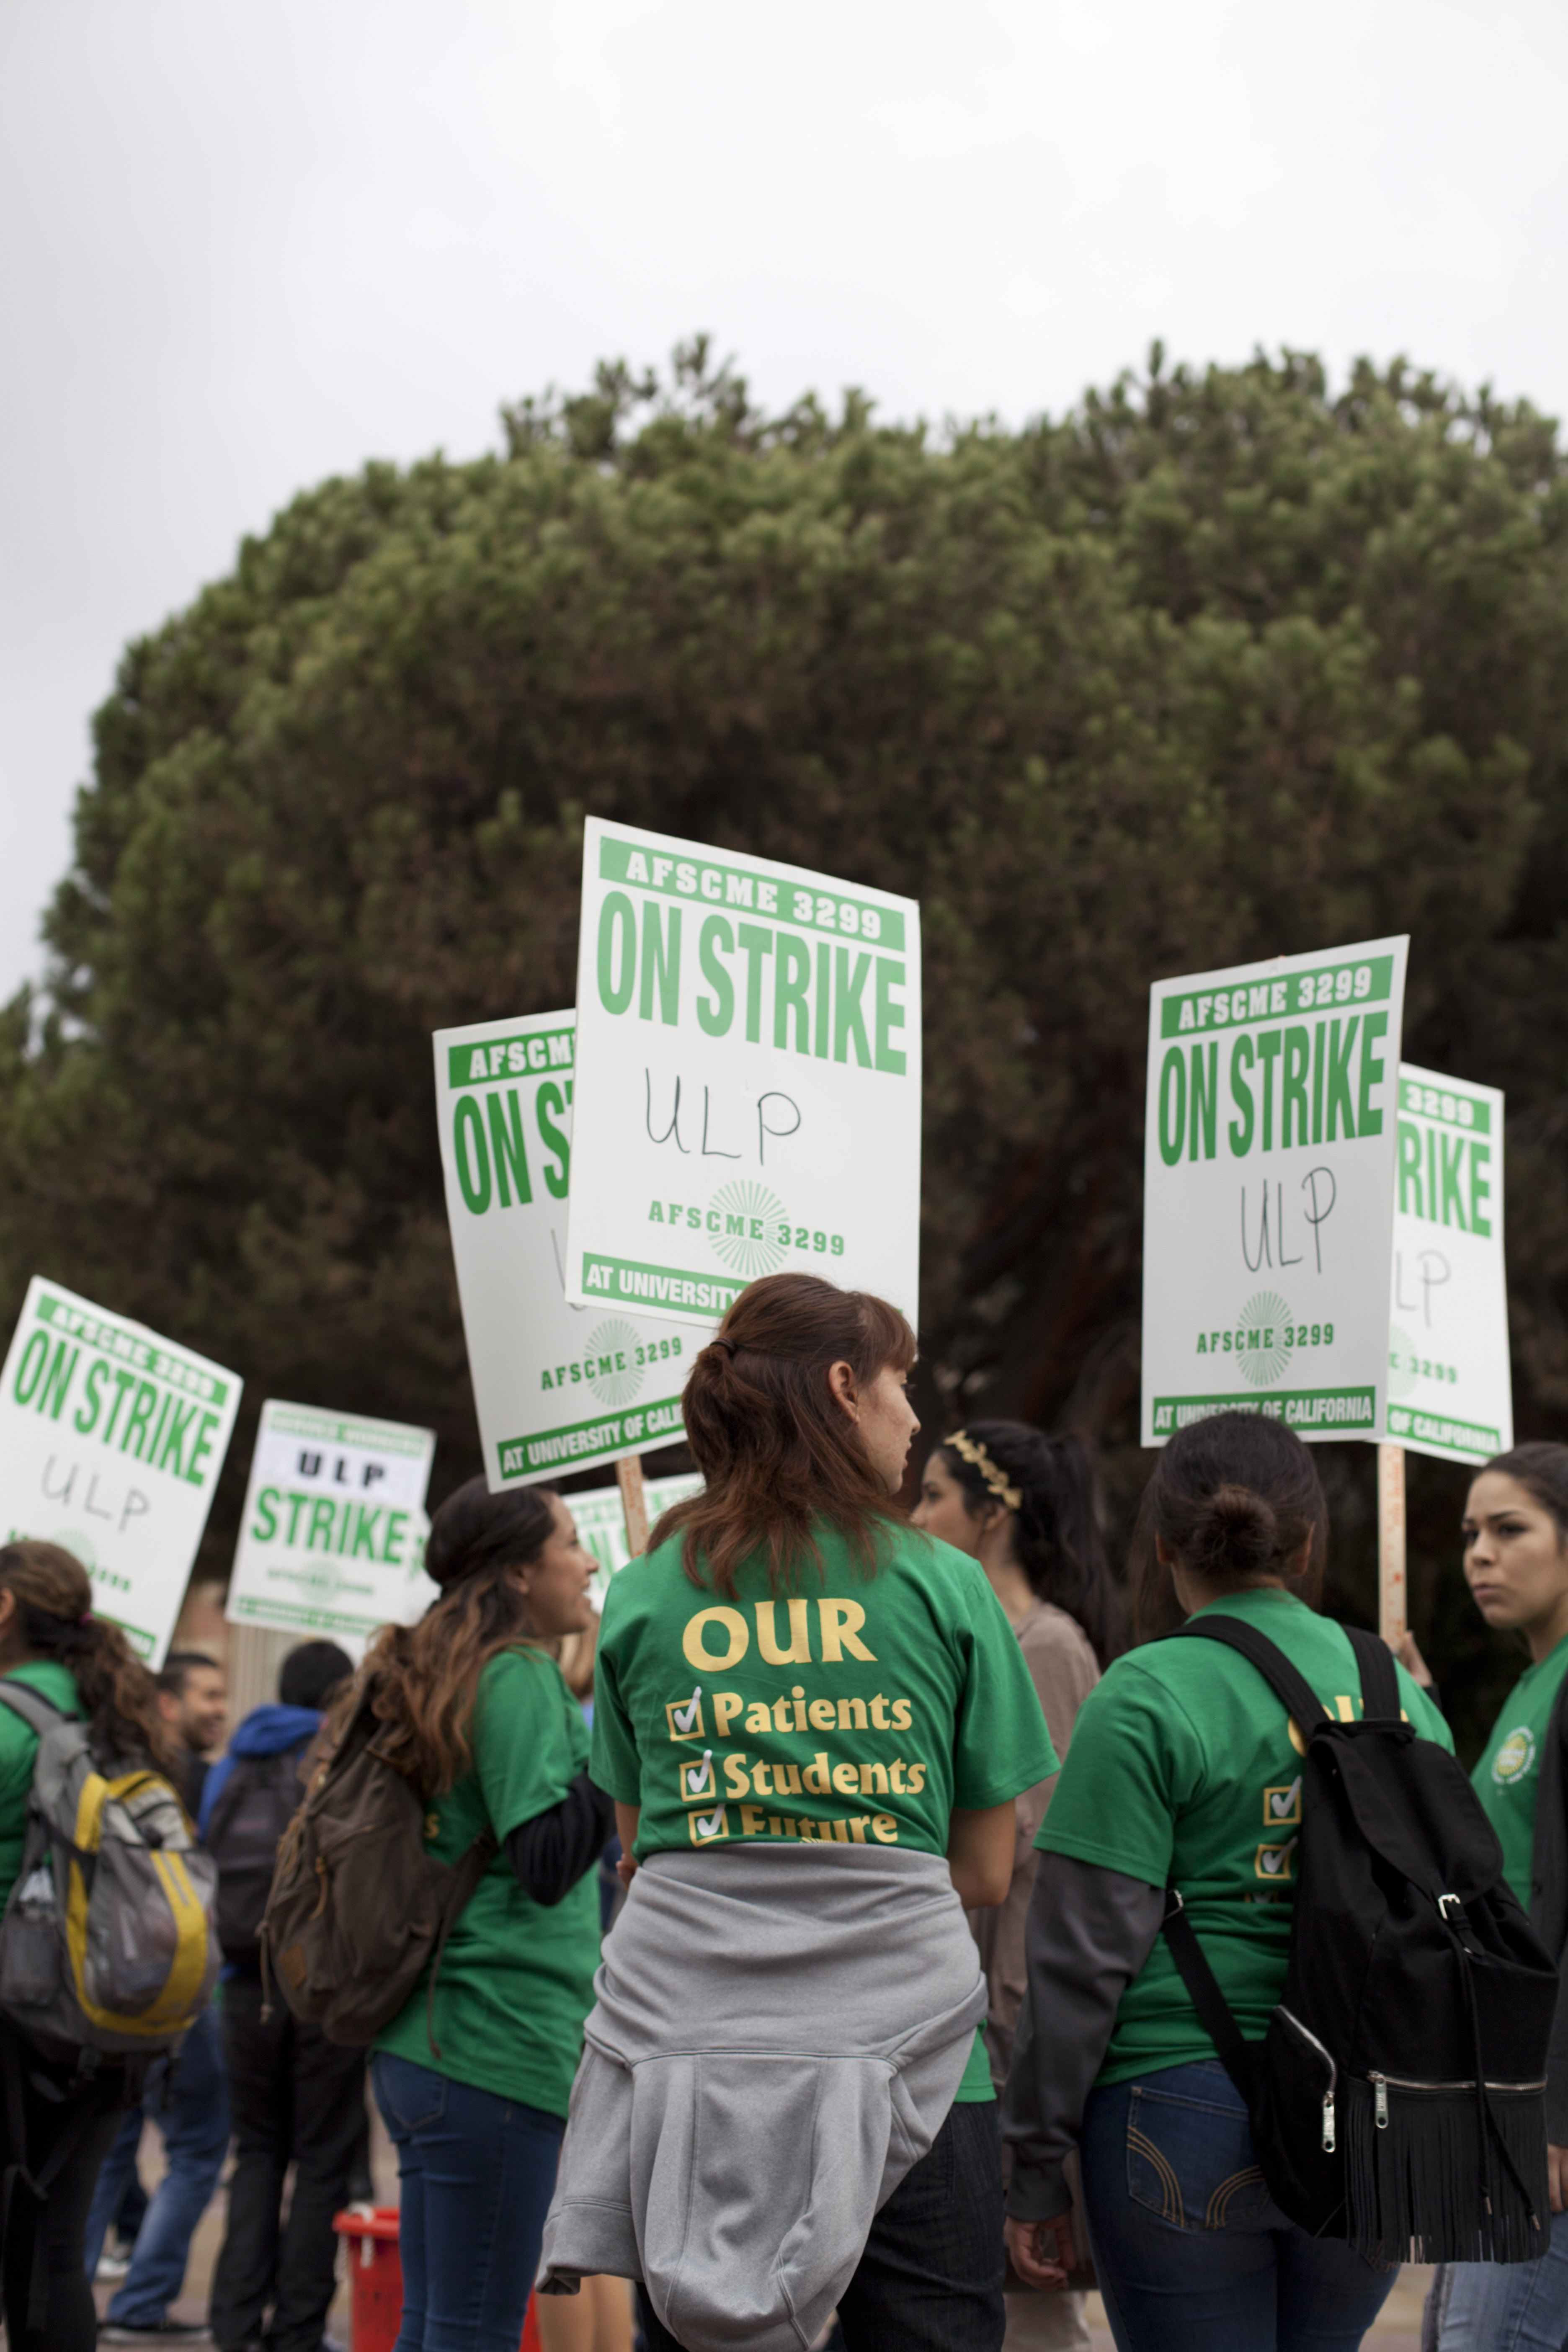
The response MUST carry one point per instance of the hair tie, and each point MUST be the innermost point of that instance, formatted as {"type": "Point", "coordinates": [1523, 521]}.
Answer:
{"type": "Point", "coordinates": [974, 1453]}
{"type": "Point", "coordinates": [728, 1345]}
{"type": "Point", "coordinates": [85, 1619]}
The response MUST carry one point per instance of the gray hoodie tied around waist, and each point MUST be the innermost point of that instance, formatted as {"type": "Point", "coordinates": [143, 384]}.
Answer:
{"type": "Point", "coordinates": [777, 2038]}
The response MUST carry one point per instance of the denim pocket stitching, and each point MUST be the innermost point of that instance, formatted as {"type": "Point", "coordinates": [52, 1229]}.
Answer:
{"type": "Point", "coordinates": [428, 2116]}
{"type": "Point", "coordinates": [1220, 2201]}
{"type": "Point", "coordinates": [1172, 2208]}
{"type": "Point", "coordinates": [1143, 2150]}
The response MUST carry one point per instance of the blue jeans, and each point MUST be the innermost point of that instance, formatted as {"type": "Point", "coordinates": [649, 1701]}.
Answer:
{"type": "Point", "coordinates": [1193, 2253]}
{"type": "Point", "coordinates": [1503, 2306]}
{"type": "Point", "coordinates": [478, 2173]}
{"type": "Point", "coordinates": [188, 2103]}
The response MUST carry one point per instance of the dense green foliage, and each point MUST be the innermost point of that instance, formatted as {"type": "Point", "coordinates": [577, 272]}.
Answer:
{"type": "Point", "coordinates": [1219, 667]}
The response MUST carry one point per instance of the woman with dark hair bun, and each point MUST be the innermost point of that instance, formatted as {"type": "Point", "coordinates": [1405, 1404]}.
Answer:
{"type": "Point", "coordinates": [1515, 1534]}
{"type": "Point", "coordinates": [51, 1641]}
{"type": "Point", "coordinates": [1022, 1504]}
{"type": "Point", "coordinates": [813, 1720]}
{"type": "Point", "coordinates": [1184, 1771]}
{"type": "Point", "coordinates": [474, 2091]}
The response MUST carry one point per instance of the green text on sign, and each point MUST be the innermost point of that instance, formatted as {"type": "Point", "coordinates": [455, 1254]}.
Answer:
{"type": "Point", "coordinates": [1284, 1086]}
{"type": "Point", "coordinates": [1365, 981]}
{"type": "Point", "coordinates": [1350, 1409]}
{"type": "Point", "coordinates": [1470, 1440]}
{"type": "Point", "coordinates": [735, 888]}
{"type": "Point", "coordinates": [650, 1426]}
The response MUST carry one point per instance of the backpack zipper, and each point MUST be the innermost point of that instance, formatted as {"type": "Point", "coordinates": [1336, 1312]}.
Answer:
{"type": "Point", "coordinates": [1383, 2084]}
{"type": "Point", "coordinates": [1329, 2141]}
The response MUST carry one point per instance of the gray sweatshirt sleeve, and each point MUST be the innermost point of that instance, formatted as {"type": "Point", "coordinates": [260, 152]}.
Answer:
{"type": "Point", "coordinates": [1090, 1932]}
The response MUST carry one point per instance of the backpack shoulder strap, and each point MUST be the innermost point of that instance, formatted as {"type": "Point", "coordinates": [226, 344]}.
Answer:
{"type": "Point", "coordinates": [1299, 1700]}
{"type": "Point", "coordinates": [1379, 1682]}
{"type": "Point", "coordinates": [1214, 2012]}
{"type": "Point", "coordinates": [1289, 1686]}
{"type": "Point", "coordinates": [40, 1713]}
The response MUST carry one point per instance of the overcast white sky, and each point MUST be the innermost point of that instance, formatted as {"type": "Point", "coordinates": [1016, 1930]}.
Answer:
{"type": "Point", "coordinates": [244, 246]}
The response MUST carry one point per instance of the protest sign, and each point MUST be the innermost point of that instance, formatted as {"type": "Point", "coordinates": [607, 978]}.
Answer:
{"type": "Point", "coordinates": [748, 1079]}
{"type": "Point", "coordinates": [555, 1387]}
{"type": "Point", "coordinates": [601, 1522]}
{"type": "Point", "coordinates": [332, 1539]}
{"type": "Point", "coordinates": [1268, 1191]}
{"type": "Point", "coordinates": [1450, 1393]}
{"type": "Point", "coordinates": [111, 1440]}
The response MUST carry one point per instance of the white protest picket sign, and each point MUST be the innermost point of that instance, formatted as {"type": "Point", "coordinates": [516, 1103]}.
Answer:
{"type": "Point", "coordinates": [555, 1387]}
{"type": "Point", "coordinates": [1450, 1388]}
{"type": "Point", "coordinates": [333, 1538]}
{"type": "Point", "coordinates": [1450, 1391]}
{"type": "Point", "coordinates": [1268, 1191]}
{"type": "Point", "coordinates": [111, 1439]}
{"type": "Point", "coordinates": [600, 1520]}
{"type": "Point", "coordinates": [748, 1079]}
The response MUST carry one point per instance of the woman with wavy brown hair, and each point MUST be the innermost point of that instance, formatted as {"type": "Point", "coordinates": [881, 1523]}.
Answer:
{"type": "Point", "coordinates": [51, 1642]}
{"type": "Point", "coordinates": [813, 1720]}
{"type": "Point", "coordinates": [474, 2094]}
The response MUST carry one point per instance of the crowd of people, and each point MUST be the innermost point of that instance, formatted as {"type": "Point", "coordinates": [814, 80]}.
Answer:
{"type": "Point", "coordinates": [950, 1909]}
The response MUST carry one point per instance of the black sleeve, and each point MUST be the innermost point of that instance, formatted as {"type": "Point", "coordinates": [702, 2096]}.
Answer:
{"type": "Point", "coordinates": [551, 1853]}
{"type": "Point", "coordinates": [1090, 1932]}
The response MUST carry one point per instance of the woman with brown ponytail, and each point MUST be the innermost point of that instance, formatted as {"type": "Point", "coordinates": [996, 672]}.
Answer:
{"type": "Point", "coordinates": [51, 1641]}
{"type": "Point", "coordinates": [814, 1719]}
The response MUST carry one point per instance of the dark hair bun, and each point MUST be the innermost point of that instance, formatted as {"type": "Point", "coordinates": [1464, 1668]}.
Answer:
{"type": "Point", "coordinates": [475, 1530]}
{"type": "Point", "coordinates": [1234, 1533]}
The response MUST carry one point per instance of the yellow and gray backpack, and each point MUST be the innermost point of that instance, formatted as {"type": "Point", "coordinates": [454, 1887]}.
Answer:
{"type": "Point", "coordinates": [107, 1943]}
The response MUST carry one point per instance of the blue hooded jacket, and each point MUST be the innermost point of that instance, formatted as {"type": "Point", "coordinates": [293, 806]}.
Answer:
{"type": "Point", "coordinates": [266, 1731]}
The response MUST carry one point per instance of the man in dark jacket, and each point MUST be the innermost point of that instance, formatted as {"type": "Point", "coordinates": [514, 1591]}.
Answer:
{"type": "Point", "coordinates": [294, 2096]}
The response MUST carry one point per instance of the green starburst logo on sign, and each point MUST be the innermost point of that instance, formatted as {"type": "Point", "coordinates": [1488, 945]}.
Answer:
{"type": "Point", "coordinates": [1401, 1362]}
{"type": "Point", "coordinates": [612, 1349]}
{"type": "Point", "coordinates": [752, 1224]}
{"type": "Point", "coordinates": [1263, 1354]}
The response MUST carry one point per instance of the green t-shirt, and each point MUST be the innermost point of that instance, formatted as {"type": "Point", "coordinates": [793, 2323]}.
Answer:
{"type": "Point", "coordinates": [517, 1978]}
{"type": "Point", "coordinates": [1509, 1773]}
{"type": "Point", "coordinates": [1185, 1770]}
{"type": "Point", "coordinates": [857, 1710]}
{"type": "Point", "coordinates": [18, 1750]}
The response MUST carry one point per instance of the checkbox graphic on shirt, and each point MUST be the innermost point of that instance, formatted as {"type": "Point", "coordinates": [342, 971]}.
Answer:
{"type": "Point", "coordinates": [1282, 1807]}
{"type": "Point", "coordinates": [684, 1715]}
{"type": "Point", "coordinates": [1276, 1862]}
{"type": "Point", "coordinates": [698, 1783]}
{"type": "Point", "coordinates": [709, 1828]}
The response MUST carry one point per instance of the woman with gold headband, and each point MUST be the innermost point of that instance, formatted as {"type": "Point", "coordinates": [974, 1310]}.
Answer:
{"type": "Point", "coordinates": [1022, 1504]}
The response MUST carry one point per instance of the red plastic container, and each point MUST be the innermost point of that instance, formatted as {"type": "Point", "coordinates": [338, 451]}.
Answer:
{"type": "Point", "coordinates": [376, 2275]}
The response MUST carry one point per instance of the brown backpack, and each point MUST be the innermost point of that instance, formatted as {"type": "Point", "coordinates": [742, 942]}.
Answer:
{"type": "Point", "coordinates": [357, 1906]}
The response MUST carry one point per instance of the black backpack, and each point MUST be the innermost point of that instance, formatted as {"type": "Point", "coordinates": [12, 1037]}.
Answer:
{"type": "Point", "coordinates": [1399, 2097]}
{"type": "Point", "coordinates": [249, 1815]}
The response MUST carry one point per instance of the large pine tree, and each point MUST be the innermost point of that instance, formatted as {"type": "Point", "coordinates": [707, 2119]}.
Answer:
{"type": "Point", "coordinates": [1221, 666]}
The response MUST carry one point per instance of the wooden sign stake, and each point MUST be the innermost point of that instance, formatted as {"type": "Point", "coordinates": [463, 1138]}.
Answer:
{"type": "Point", "coordinates": [634, 1503]}
{"type": "Point", "coordinates": [1393, 1618]}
